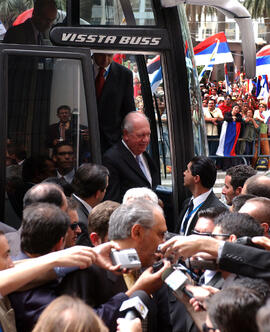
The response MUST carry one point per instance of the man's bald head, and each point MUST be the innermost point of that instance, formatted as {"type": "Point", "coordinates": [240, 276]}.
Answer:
{"type": "Point", "coordinates": [259, 209]}
{"type": "Point", "coordinates": [45, 193]}
{"type": "Point", "coordinates": [257, 185]}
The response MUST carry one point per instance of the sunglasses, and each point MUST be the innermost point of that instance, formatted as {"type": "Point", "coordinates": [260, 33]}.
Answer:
{"type": "Point", "coordinates": [74, 225]}
{"type": "Point", "coordinates": [206, 328]}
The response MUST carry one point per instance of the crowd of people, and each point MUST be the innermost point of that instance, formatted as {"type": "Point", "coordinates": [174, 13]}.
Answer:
{"type": "Point", "coordinates": [240, 119]}
{"type": "Point", "coordinates": [61, 254]}
{"type": "Point", "coordinates": [73, 220]}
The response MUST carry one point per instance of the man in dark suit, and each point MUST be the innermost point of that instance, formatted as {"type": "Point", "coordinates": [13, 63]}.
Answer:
{"type": "Point", "coordinates": [232, 257]}
{"type": "Point", "coordinates": [129, 164]}
{"type": "Point", "coordinates": [114, 91]}
{"type": "Point", "coordinates": [180, 318]}
{"type": "Point", "coordinates": [90, 183]}
{"type": "Point", "coordinates": [66, 130]}
{"type": "Point", "coordinates": [32, 30]}
{"type": "Point", "coordinates": [140, 225]}
{"type": "Point", "coordinates": [199, 178]}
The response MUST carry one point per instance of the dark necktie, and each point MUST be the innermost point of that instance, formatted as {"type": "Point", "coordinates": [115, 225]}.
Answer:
{"type": "Point", "coordinates": [100, 80]}
{"type": "Point", "coordinates": [62, 131]}
{"type": "Point", "coordinates": [188, 215]}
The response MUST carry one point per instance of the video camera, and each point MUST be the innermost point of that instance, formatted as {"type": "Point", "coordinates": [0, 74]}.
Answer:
{"type": "Point", "coordinates": [127, 258]}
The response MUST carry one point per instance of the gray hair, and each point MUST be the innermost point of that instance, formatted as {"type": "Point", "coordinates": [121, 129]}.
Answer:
{"type": "Point", "coordinates": [142, 193]}
{"type": "Point", "coordinates": [127, 215]}
{"type": "Point", "coordinates": [130, 118]}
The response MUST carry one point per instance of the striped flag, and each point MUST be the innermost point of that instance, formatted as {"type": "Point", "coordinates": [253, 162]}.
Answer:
{"type": "Point", "coordinates": [229, 135]}
{"type": "Point", "coordinates": [2, 29]}
{"type": "Point", "coordinates": [264, 89]}
{"type": "Point", "coordinates": [236, 73]}
{"type": "Point", "coordinates": [204, 50]}
{"type": "Point", "coordinates": [210, 64]}
{"type": "Point", "coordinates": [155, 73]}
{"type": "Point", "coordinates": [263, 61]}
{"type": "Point", "coordinates": [227, 82]}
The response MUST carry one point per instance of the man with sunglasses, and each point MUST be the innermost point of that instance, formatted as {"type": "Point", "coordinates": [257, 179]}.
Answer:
{"type": "Point", "coordinates": [74, 229]}
{"type": "Point", "coordinates": [204, 227]}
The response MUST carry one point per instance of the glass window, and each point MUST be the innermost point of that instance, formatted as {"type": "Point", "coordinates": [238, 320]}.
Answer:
{"type": "Point", "coordinates": [46, 108]}
{"type": "Point", "coordinates": [230, 30]}
{"type": "Point", "coordinates": [159, 103]}
{"type": "Point", "coordinates": [109, 12]}
{"type": "Point", "coordinates": [198, 124]}
{"type": "Point", "coordinates": [37, 88]}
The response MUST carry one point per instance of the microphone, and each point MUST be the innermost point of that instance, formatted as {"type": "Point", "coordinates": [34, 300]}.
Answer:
{"type": "Point", "coordinates": [177, 281]}
{"type": "Point", "coordinates": [136, 306]}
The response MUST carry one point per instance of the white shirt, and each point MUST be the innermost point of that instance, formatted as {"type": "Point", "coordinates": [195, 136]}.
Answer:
{"type": "Point", "coordinates": [196, 202]}
{"type": "Point", "coordinates": [68, 177]}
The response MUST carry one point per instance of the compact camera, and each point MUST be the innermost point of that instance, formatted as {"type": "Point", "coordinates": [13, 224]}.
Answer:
{"type": "Point", "coordinates": [127, 258]}
{"type": "Point", "coordinates": [247, 241]}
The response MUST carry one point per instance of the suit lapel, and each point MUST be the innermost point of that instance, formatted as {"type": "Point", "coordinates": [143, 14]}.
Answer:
{"type": "Point", "coordinates": [82, 207]}
{"type": "Point", "coordinates": [182, 213]}
{"type": "Point", "coordinates": [130, 160]}
{"type": "Point", "coordinates": [204, 206]}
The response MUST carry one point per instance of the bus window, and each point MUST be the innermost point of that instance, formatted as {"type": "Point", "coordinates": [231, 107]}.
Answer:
{"type": "Point", "coordinates": [198, 124]}
{"type": "Point", "coordinates": [48, 122]}
{"type": "Point", "coordinates": [46, 105]}
{"type": "Point", "coordinates": [154, 68]}
{"type": "Point", "coordinates": [101, 12]}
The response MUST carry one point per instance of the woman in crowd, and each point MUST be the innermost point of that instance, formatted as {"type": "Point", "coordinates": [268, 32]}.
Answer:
{"type": "Point", "coordinates": [261, 116]}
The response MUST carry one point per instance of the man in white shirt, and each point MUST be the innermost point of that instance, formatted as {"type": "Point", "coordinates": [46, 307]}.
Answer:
{"type": "Point", "coordinates": [212, 117]}
{"type": "Point", "coordinates": [199, 178]}
{"type": "Point", "coordinates": [63, 156]}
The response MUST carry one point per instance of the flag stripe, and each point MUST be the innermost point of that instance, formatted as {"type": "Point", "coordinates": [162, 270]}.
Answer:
{"type": "Point", "coordinates": [223, 48]}
{"type": "Point", "coordinates": [228, 139]}
{"type": "Point", "coordinates": [210, 41]}
{"type": "Point", "coordinates": [153, 65]}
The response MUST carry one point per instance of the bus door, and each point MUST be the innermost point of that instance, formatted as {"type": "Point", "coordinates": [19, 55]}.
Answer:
{"type": "Point", "coordinates": [156, 39]}
{"type": "Point", "coordinates": [35, 82]}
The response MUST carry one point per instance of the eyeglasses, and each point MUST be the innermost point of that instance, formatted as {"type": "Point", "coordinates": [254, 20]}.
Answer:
{"type": "Point", "coordinates": [64, 153]}
{"type": "Point", "coordinates": [201, 234]}
{"type": "Point", "coordinates": [74, 225]}
{"type": "Point", "coordinates": [206, 328]}
{"type": "Point", "coordinates": [217, 235]}
{"type": "Point", "coordinates": [209, 234]}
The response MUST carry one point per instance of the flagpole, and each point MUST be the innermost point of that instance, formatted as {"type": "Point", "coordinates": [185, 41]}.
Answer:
{"type": "Point", "coordinates": [211, 62]}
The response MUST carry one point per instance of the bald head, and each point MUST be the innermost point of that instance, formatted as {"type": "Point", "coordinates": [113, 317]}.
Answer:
{"type": "Point", "coordinates": [258, 208]}
{"type": "Point", "coordinates": [45, 193]}
{"type": "Point", "coordinates": [132, 119]}
{"type": "Point", "coordinates": [257, 185]}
